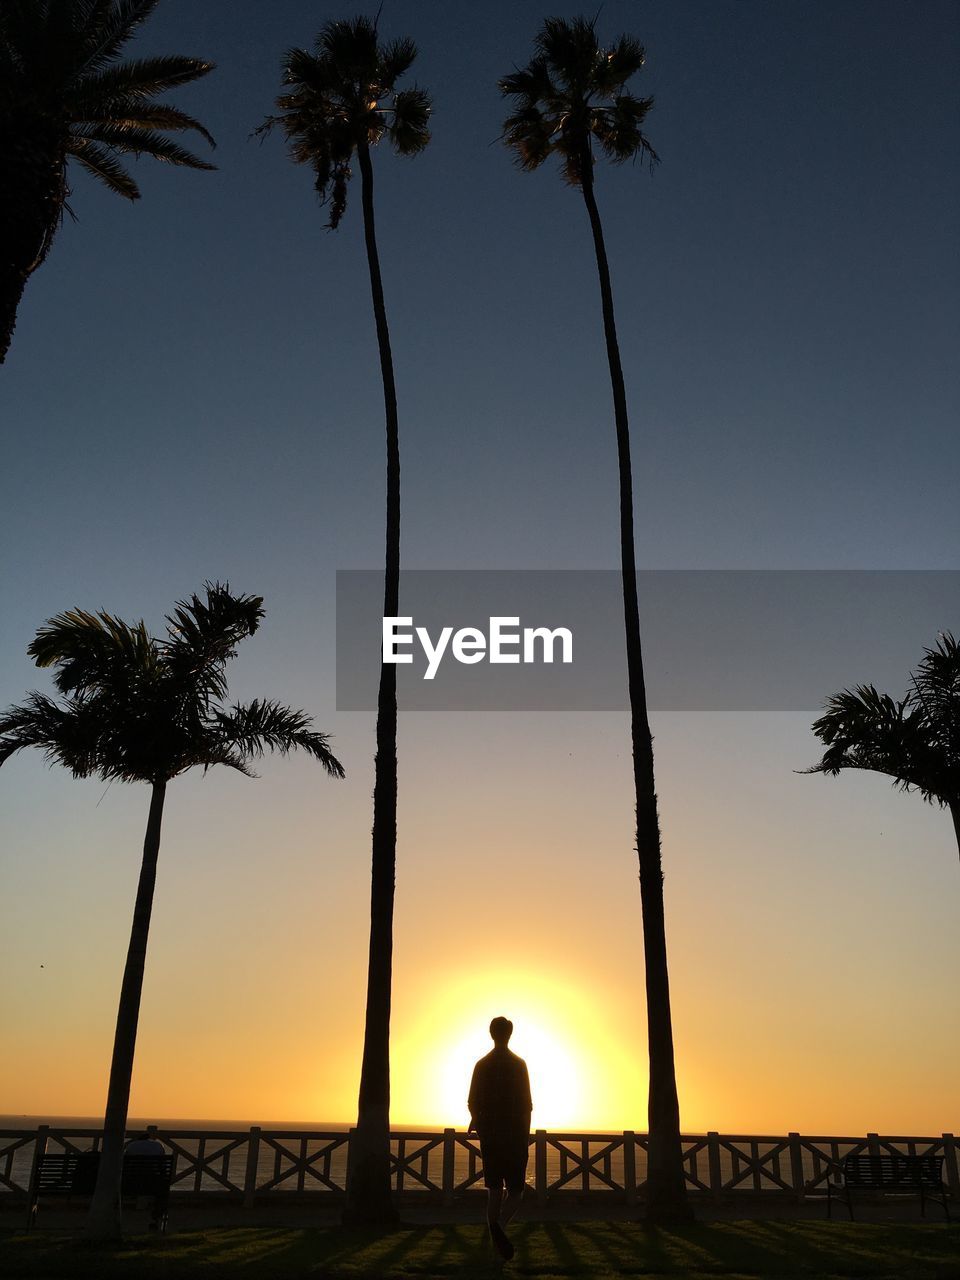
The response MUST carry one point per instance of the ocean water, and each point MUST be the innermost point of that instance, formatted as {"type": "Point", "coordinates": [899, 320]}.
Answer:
{"type": "Point", "coordinates": [141, 1122]}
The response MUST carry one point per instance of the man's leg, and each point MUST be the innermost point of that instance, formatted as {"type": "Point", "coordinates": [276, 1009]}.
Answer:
{"type": "Point", "coordinates": [515, 1179]}
{"type": "Point", "coordinates": [511, 1204]}
{"type": "Point", "coordinates": [494, 1203]}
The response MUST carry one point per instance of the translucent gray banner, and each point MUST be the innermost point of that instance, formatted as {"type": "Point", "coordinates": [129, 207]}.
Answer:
{"type": "Point", "coordinates": [713, 640]}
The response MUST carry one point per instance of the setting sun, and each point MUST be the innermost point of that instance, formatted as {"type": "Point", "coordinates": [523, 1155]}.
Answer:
{"type": "Point", "coordinates": [578, 1074]}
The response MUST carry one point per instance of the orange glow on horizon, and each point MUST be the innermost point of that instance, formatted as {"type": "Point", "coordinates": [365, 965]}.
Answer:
{"type": "Point", "coordinates": [255, 986]}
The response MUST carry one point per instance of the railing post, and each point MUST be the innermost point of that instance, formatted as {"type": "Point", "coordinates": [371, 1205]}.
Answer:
{"type": "Point", "coordinates": [351, 1134]}
{"type": "Point", "coordinates": [630, 1166]}
{"type": "Point", "coordinates": [540, 1165]}
{"type": "Point", "coordinates": [796, 1165]}
{"type": "Point", "coordinates": [713, 1163]}
{"type": "Point", "coordinates": [39, 1150]}
{"type": "Point", "coordinates": [873, 1144]}
{"type": "Point", "coordinates": [449, 1153]}
{"type": "Point", "coordinates": [950, 1162]}
{"type": "Point", "coordinates": [253, 1160]}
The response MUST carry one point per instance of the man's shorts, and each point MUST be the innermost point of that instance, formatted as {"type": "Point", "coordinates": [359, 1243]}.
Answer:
{"type": "Point", "coordinates": [504, 1161]}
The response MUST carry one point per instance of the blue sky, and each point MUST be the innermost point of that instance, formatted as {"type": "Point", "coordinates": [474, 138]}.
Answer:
{"type": "Point", "coordinates": [192, 389]}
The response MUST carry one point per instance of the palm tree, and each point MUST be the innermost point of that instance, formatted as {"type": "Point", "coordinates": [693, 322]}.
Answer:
{"type": "Point", "coordinates": [64, 95]}
{"type": "Point", "coordinates": [914, 741]}
{"type": "Point", "coordinates": [138, 709]}
{"type": "Point", "coordinates": [340, 101]}
{"type": "Point", "coordinates": [570, 99]}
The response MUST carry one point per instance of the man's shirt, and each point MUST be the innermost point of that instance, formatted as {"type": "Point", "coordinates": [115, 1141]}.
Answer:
{"type": "Point", "coordinates": [499, 1099]}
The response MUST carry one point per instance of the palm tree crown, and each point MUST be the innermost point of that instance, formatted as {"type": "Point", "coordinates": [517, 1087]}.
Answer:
{"type": "Point", "coordinates": [914, 740]}
{"type": "Point", "coordinates": [66, 95]}
{"type": "Point", "coordinates": [138, 709]}
{"type": "Point", "coordinates": [573, 93]}
{"type": "Point", "coordinates": [343, 97]}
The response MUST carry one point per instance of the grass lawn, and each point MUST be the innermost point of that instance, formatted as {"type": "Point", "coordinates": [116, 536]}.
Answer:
{"type": "Point", "coordinates": [823, 1250]}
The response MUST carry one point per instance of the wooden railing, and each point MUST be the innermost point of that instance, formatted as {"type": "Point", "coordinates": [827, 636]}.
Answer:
{"type": "Point", "coordinates": [250, 1164]}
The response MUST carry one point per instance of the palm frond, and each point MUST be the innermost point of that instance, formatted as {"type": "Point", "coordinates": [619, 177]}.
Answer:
{"type": "Point", "coordinates": [69, 736]}
{"type": "Point", "coordinates": [262, 725]}
{"type": "Point", "coordinates": [865, 729]}
{"type": "Point", "coordinates": [130, 139]}
{"type": "Point", "coordinates": [115, 24]}
{"type": "Point", "coordinates": [90, 649]}
{"type": "Point", "coordinates": [859, 716]}
{"type": "Point", "coordinates": [307, 71]}
{"type": "Point", "coordinates": [622, 61]}
{"type": "Point", "coordinates": [618, 129]}
{"type": "Point", "coordinates": [144, 114]}
{"type": "Point", "coordinates": [103, 166]}
{"type": "Point", "coordinates": [530, 135]}
{"type": "Point", "coordinates": [142, 77]}
{"type": "Point", "coordinates": [531, 84]}
{"type": "Point", "coordinates": [936, 683]}
{"type": "Point", "coordinates": [396, 59]}
{"type": "Point", "coordinates": [410, 128]}
{"type": "Point", "coordinates": [222, 615]}
{"type": "Point", "coordinates": [203, 634]}
{"type": "Point", "coordinates": [350, 46]}
{"type": "Point", "coordinates": [570, 49]}
{"type": "Point", "coordinates": [26, 725]}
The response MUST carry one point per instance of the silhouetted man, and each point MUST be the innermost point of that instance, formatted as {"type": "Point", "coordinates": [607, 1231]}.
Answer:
{"type": "Point", "coordinates": [500, 1109]}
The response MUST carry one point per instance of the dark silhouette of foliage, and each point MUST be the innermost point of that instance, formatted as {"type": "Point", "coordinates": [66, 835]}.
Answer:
{"type": "Point", "coordinates": [914, 741]}
{"type": "Point", "coordinates": [569, 100]}
{"type": "Point", "coordinates": [134, 708]}
{"type": "Point", "coordinates": [573, 94]}
{"type": "Point", "coordinates": [340, 101]}
{"type": "Point", "coordinates": [65, 96]}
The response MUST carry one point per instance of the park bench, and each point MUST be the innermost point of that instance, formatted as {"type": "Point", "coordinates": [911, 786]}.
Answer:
{"type": "Point", "coordinates": [75, 1174]}
{"type": "Point", "coordinates": [893, 1175]}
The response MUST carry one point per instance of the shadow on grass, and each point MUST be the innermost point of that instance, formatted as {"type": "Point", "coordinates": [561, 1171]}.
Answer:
{"type": "Point", "coordinates": [769, 1250]}
{"type": "Point", "coordinates": [773, 1249]}
{"type": "Point", "coordinates": [254, 1252]}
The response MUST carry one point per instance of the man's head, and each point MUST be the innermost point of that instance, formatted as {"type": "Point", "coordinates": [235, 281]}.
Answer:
{"type": "Point", "coordinates": [501, 1029]}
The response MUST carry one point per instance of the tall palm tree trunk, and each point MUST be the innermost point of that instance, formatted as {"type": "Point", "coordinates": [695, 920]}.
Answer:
{"type": "Point", "coordinates": [103, 1219]}
{"type": "Point", "coordinates": [12, 285]}
{"type": "Point", "coordinates": [34, 186]}
{"type": "Point", "coordinates": [666, 1188]}
{"type": "Point", "coordinates": [955, 814]}
{"type": "Point", "coordinates": [368, 1184]}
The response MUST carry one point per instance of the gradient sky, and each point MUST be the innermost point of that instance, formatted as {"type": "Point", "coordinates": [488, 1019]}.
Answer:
{"type": "Point", "coordinates": [193, 393]}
